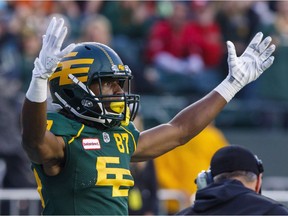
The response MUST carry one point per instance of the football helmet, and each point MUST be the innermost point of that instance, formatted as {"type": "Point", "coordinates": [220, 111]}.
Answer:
{"type": "Point", "coordinates": [89, 62]}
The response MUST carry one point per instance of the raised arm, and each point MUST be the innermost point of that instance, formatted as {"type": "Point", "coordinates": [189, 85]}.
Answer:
{"type": "Point", "coordinates": [41, 145]}
{"type": "Point", "coordinates": [193, 119]}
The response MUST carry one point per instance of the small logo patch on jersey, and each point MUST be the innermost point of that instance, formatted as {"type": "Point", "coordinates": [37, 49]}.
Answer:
{"type": "Point", "coordinates": [91, 143]}
{"type": "Point", "coordinates": [106, 137]}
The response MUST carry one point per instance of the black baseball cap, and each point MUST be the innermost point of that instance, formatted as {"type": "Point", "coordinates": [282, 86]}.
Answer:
{"type": "Point", "coordinates": [235, 158]}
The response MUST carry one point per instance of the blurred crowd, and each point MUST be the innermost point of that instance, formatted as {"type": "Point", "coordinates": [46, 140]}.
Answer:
{"type": "Point", "coordinates": [172, 47]}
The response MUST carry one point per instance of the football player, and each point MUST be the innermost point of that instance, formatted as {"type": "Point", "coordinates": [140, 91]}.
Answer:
{"type": "Point", "coordinates": [81, 152]}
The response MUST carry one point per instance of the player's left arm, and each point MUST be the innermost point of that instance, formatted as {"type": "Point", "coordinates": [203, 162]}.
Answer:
{"type": "Point", "coordinates": [183, 127]}
{"type": "Point", "coordinates": [192, 120]}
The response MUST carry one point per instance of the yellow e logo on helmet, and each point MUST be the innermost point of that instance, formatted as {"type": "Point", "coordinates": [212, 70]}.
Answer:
{"type": "Point", "coordinates": [70, 67]}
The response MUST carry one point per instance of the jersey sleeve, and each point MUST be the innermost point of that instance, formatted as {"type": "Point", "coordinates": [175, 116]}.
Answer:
{"type": "Point", "coordinates": [133, 133]}
{"type": "Point", "coordinates": [59, 125]}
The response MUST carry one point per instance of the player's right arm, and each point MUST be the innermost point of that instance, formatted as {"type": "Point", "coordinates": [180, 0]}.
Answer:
{"type": "Point", "coordinates": [42, 146]}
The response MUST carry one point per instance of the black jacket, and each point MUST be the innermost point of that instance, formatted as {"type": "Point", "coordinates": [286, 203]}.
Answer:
{"type": "Point", "coordinates": [230, 197]}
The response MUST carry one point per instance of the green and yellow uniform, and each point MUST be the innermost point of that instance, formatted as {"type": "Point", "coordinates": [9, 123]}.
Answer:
{"type": "Point", "coordinates": [96, 177]}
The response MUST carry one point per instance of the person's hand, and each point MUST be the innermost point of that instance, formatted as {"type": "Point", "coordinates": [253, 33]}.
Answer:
{"type": "Point", "coordinates": [49, 56]}
{"type": "Point", "coordinates": [252, 63]}
{"type": "Point", "coordinates": [50, 53]}
{"type": "Point", "coordinates": [248, 67]}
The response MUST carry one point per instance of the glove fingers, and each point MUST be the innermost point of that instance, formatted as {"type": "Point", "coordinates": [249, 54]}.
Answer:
{"type": "Point", "coordinates": [67, 50]}
{"type": "Point", "coordinates": [264, 44]}
{"type": "Point", "coordinates": [53, 32]}
{"type": "Point", "coordinates": [50, 53]}
{"type": "Point", "coordinates": [61, 38]}
{"type": "Point", "coordinates": [253, 46]}
{"type": "Point", "coordinates": [231, 53]}
{"type": "Point", "coordinates": [268, 52]}
{"type": "Point", "coordinates": [58, 28]}
{"type": "Point", "coordinates": [49, 30]}
{"type": "Point", "coordinates": [54, 37]}
{"type": "Point", "coordinates": [266, 64]}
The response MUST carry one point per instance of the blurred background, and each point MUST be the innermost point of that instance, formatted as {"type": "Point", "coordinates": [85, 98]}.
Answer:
{"type": "Point", "coordinates": [177, 53]}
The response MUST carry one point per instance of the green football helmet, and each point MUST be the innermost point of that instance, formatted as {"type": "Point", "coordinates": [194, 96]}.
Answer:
{"type": "Point", "coordinates": [87, 63]}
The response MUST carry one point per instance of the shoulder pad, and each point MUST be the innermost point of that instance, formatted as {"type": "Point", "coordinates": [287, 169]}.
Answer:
{"type": "Point", "coordinates": [62, 126]}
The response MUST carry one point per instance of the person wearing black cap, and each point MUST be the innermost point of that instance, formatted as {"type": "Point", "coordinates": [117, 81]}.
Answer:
{"type": "Point", "coordinates": [232, 186]}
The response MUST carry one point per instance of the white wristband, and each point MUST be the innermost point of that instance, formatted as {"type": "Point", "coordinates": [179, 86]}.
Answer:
{"type": "Point", "coordinates": [227, 90]}
{"type": "Point", "coordinates": [37, 91]}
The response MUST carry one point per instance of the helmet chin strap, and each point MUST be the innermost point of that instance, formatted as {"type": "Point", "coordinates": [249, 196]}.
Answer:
{"type": "Point", "coordinates": [126, 121]}
{"type": "Point", "coordinates": [66, 105]}
{"type": "Point", "coordinates": [81, 85]}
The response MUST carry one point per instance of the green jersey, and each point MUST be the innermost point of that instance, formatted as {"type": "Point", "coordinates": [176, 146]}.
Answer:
{"type": "Point", "coordinates": [96, 178]}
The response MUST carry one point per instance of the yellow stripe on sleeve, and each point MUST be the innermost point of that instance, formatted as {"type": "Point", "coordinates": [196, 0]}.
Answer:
{"type": "Point", "coordinates": [134, 142]}
{"type": "Point", "coordinates": [39, 187]}
{"type": "Point", "coordinates": [78, 134]}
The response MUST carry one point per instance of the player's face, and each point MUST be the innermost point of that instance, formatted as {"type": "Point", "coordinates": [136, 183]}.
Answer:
{"type": "Point", "coordinates": [109, 86]}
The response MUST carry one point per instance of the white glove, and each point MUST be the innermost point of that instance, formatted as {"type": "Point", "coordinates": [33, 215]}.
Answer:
{"type": "Point", "coordinates": [50, 53]}
{"type": "Point", "coordinates": [48, 59]}
{"type": "Point", "coordinates": [248, 67]}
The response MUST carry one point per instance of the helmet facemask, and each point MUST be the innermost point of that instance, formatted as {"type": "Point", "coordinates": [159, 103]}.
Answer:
{"type": "Point", "coordinates": [113, 108]}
